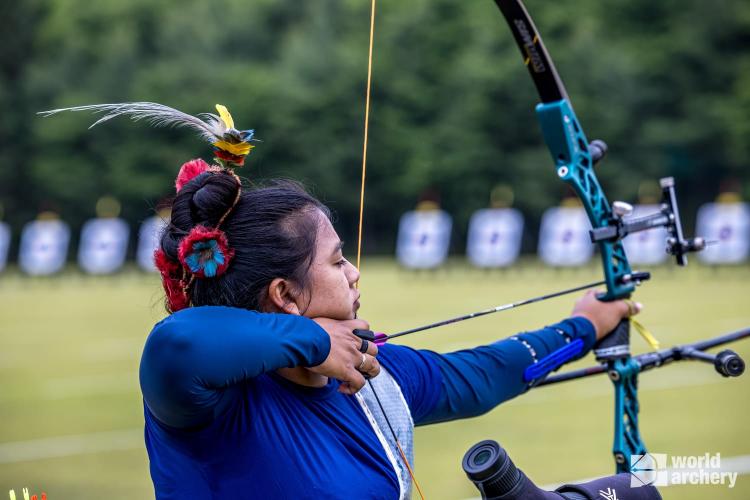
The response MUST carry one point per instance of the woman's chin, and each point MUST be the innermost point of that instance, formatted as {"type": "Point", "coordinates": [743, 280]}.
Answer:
{"type": "Point", "coordinates": [335, 315]}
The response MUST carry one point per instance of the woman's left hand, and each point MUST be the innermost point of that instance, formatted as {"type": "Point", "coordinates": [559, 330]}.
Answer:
{"type": "Point", "coordinates": [604, 315]}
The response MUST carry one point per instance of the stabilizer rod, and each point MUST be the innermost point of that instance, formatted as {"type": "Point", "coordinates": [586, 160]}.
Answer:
{"type": "Point", "coordinates": [727, 362]}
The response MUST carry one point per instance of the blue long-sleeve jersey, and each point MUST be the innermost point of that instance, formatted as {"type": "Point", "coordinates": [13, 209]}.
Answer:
{"type": "Point", "coordinates": [221, 424]}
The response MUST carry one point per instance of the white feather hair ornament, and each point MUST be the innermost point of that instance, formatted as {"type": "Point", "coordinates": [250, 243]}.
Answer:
{"type": "Point", "coordinates": [231, 146]}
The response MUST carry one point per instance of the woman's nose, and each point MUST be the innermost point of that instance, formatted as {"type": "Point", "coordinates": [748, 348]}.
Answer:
{"type": "Point", "coordinates": [353, 274]}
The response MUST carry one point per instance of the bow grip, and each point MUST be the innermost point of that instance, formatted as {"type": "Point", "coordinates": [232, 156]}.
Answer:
{"type": "Point", "coordinates": [616, 344]}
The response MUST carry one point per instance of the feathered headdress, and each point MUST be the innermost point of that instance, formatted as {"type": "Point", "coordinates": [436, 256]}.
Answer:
{"type": "Point", "coordinates": [231, 145]}
{"type": "Point", "coordinates": [203, 252]}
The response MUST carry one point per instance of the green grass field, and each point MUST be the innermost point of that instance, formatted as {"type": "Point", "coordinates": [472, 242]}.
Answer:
{"type": "Point", "coordinates": [71, 410]}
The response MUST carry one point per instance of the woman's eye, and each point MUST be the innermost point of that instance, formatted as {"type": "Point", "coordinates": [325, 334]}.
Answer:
{"type": "Point", "coordinates": [341, 262]}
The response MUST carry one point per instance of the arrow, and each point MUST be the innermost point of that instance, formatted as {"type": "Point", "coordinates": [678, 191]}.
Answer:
{"type": "Point", "coordinates": [382, 338]}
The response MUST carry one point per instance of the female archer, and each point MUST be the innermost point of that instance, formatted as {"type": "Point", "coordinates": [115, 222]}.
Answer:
{"type": "Point", "coordinates": [255, 386]}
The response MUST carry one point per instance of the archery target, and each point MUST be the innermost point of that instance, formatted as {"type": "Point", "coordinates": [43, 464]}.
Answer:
{"type": "Point", "coordinates": [494, 237]}
{"type": "Point", "coordinates": [564, 237]}
{"type": "Point", "coordinates": [4, 244]}
{"type": "Point", "coordinates": [727, 226]}
{"type": "Point", "coordinates": [423, 239]}
{"type": "Point", "coordinates": [104, 243]}
{"type": "Point", "coordinates": [44, 247]}
{"type": "Point", "coordinates": [149, 237]}
{"type": "Point", "coordinates": [646, 247]}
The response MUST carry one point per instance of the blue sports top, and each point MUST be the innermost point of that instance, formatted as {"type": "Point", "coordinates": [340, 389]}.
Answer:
{"type": "Point", "coordinates": [221, 424]}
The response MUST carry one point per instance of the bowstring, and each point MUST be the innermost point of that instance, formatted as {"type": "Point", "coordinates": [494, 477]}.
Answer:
{"type": "Point", "coordinates": [359, 229]}
{"type": "Point", "coordinates": [398, 445]}
{"type": "Point", "coordinates": [364, 142]}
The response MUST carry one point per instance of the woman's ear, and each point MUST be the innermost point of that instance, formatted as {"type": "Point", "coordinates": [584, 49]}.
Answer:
{"type": "Point", "coordinates": [281, 295]}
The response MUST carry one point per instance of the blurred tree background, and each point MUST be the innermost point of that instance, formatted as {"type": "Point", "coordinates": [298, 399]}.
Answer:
{"type": "Point", "coordinates": [666, 84]}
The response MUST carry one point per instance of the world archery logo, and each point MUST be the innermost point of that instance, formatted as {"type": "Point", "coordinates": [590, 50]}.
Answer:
{"type": "Point", "coordinates": [648, 469]}
{"type": "Point", "coordinates": [651, 469]}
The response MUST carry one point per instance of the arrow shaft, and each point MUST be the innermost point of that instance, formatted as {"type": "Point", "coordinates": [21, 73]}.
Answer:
{"type": "Point", "coordinates": [493, 310]}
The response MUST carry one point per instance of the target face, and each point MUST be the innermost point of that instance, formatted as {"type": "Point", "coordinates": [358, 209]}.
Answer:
{"type": "Point", "coordinates": [494, 237]}
{"type": "Point", "coordinates": [727, 227]}
{"type": "Point", "coordinates": [104, 244]}
{"type": "Point", "coordinates": [44, 247]}
{"type": "Point", "coordinates": [423, 239]}
{"type": "Point", "coordinates": [564, 237]}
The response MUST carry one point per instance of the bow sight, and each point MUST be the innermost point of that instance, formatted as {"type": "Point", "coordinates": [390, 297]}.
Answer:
{"type": "Point", "coordinates": [668, 217]}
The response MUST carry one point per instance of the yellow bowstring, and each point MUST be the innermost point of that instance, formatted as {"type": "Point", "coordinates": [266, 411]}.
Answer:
{"type": "Point", "coordinates": [362, 203]}
{"type": "Point", "coordinates": [364, 145]}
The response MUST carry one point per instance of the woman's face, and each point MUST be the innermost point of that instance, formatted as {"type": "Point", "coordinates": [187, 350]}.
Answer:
{"type": "Point", "coordinates": [331, 279]}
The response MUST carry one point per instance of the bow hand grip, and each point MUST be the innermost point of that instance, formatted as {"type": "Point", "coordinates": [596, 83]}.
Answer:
{"type": "Point", "coordinates": [616, 344]}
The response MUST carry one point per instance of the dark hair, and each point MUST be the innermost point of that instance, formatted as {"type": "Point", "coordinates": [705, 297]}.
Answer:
{"type": "Point", "coordinates": [272, 229]}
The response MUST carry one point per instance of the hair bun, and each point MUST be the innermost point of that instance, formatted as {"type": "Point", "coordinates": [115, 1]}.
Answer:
{"type": "Point", "coordinates": [215, 193]}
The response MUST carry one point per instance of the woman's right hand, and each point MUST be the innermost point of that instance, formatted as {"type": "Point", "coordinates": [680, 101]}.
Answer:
{"type": "Point", "coordinates": [344, 359]}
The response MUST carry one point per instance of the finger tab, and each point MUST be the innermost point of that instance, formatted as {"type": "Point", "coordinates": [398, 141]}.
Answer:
{"type": "Point", "coordinates": [368, 335]}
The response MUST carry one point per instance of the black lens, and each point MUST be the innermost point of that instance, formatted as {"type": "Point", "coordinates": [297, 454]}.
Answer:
{"type": "Point", "coordinates": [483, 460]}
{"type": "Point", "coordinates": [490, 468]}
{"type": "Point", "coordinates": [482, 457]}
